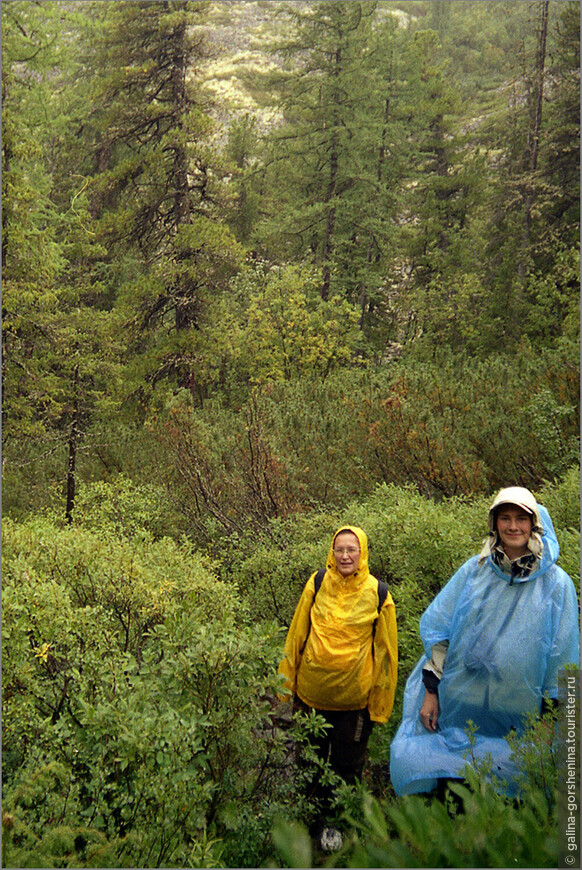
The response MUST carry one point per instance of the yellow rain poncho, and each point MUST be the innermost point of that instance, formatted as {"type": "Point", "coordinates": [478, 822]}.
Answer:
{"type": "Point", "coordinates": [334, 658]}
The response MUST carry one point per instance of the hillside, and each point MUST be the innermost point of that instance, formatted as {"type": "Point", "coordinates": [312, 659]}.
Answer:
{"type": "Point", "coordinates": [240, 34]}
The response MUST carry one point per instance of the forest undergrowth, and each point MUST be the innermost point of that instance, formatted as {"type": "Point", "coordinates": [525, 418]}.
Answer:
{"type": "Point", "coordinates": [140, 720]}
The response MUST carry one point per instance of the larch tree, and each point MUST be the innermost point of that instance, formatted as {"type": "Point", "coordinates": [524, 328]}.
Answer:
{"type": "Point", "coordinates": [55, 370]}
{"type": "Point", "coordinates": [559, 158]}
{"type": "Point", "coordinates": [442, 185]}
{"type": "Point", "coordinates": [317, 163]}
{"type": "Point", "coordinates": [518, 191]}
{"type": "Point", "coordinates": [156, 190]}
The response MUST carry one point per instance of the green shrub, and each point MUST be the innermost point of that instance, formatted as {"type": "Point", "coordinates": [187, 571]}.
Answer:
{"type": "Point", "coordinates": [122, 508]}
{"type": "Point", "coordinates": [451, 427]}
{"type": "Point", "coordinates": [139, 726]}
{"type": "Point", "coordinates": [136, 703]}
{"type": "Point", "coordinates": [421, 831]}
{"type": "Point", "coordinates": [562, 500]}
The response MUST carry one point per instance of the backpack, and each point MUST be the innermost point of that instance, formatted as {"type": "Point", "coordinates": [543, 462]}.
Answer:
{"type": "Point", "coordinates": [382, 592]}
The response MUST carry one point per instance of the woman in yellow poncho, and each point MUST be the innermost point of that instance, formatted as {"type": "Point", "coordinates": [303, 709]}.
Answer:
{"type": "Point", "coordinates": [341, 658]}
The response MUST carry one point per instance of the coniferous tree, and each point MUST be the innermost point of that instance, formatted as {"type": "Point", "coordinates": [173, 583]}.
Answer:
{"type": "Point", "coordinates": [411, 165]}
{"type": "Point", "coordinates": [560, 144]}
{"type": "Point", "coordinates": [318, 162]}
{"type": "Point", "coordinates": [374, 202]}
{"type": "Point", "coordinates": [242, 150]}
{"type": "Point", "coordinates": [156, 191]}
{"type": "Point", "coordinates": [553, 291]}
{"type": "Point", "coordinates": [31, 255]}
{"type": "Point", "coordinates": [440, 205]}
{"type": "Point", "coordinates": [518, 192]}
{"type": "Point", "coordinates": [56, 364]}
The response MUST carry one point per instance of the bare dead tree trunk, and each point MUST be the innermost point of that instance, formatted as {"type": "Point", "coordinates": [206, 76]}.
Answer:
{"type": "Point", "coordinates": [536, 113]}
{"type": "Point", "coordinates": [330, 194]}
{"type": "Point", "coordinates": [73, 445]}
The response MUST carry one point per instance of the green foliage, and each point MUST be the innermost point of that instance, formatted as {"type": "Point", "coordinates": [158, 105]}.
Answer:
{"type": "Point", "coordinates": [453, 427]}
{"type": "Point", "coordinates": [479, 828]}
{"type": "Point", "coordinates": [327, 145]}
{"type": "Point", "coordinates": [293, 844]}
{"type": "Point", "coordinates": [553, 307]}
{"type": "Point", "coordinates": [138, 721]}
{"type": "Point", "coordinates": [55, 325]}
{"type": "Point", "coordinates": [135, 701]}
{"type": "Point", "coordinates": [402, 341]}
{"type": "Point", "coordinates": [401, 202]}
{"type": "Point", "coordinates": [271, 327]}
{"type": "Point", "coordinates": [291, 333]}
{"type": "Point", "coordinates": [563, 502]}
{"type": "Point", "coordinates": [560, 157]}
{"type": "Point", "coordinates": [413, 541]}
{"type": "Point", "coordinates": [121, 508]}
{"type": "Point", "coordinates": [155, 185]}
{"type": "Point", "coordinates": [488, 834]}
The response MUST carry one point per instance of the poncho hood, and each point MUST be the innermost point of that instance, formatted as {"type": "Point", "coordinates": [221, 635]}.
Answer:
{"type": "Point", "coordinates": [363, 570]}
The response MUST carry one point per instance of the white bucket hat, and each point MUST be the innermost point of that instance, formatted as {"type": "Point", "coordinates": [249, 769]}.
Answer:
{"type": "Point", "coordinates": [523, 498]}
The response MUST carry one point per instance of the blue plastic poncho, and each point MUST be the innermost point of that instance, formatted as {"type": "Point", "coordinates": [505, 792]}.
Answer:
{"type": "Point", "coordinates": [507, 642]}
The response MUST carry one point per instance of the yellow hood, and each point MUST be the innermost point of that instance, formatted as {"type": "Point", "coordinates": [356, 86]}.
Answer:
{"type": "Point", "coordinates": [363, 571]}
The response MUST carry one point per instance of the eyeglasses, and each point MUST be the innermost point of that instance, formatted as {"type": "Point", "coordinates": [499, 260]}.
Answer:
{"type": "Point", "coordinates": [350, 551]}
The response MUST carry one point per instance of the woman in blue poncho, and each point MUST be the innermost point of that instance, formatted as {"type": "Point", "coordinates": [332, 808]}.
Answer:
{"type": "Point", "coordinates": [495, 638]}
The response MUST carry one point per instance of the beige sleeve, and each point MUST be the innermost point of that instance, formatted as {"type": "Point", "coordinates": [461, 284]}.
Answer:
{"type": "Point", "coordinates": [438, 656]}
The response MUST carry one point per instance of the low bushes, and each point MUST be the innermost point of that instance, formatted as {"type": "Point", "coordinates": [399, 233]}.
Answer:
{"type": "Point", "coordinates": [136, 702]}
{"type": "Point", "coordinates": [452, 427]}
{"type": "Point", "coordinates": [139, 722]}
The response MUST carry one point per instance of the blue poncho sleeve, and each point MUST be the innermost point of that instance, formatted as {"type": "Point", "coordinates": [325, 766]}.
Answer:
{"type": "Point", "coordinates": [564, 645]}
{"type": "Point", "coordinates": [437, 620]}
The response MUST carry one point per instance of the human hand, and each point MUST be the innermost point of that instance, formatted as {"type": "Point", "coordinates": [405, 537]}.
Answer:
{"type": "Point", "coordinates": [429, 712]}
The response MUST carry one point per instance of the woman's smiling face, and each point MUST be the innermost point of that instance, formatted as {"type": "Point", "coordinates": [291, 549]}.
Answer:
{"type": "Point", "coordinates": [346, 549]}
{"type": "Point", "coordinates": [514, 526]}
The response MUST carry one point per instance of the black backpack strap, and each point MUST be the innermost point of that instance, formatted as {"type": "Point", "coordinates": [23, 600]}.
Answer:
{"type": "Point", "coordinates": [382, 593]}
{"type": "Point", "coordinates": [319, 579]}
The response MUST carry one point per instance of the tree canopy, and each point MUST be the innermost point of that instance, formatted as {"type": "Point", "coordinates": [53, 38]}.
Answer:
{"type": "Point", "coordinates": [381, 205]}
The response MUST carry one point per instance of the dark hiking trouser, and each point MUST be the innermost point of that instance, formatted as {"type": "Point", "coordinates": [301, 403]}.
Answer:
{"type": "Point", "coordinates": [343, 746]}
{"type": "Point", "coordinates": [443, 792]}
